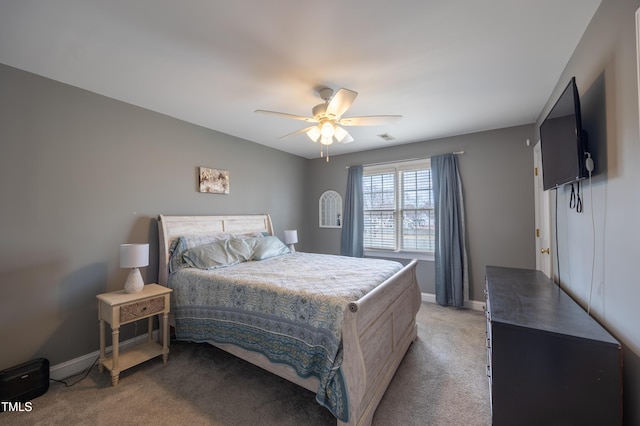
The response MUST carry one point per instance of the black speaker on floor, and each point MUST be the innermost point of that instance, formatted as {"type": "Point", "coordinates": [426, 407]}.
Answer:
{"type": "Point", "coordinates": [24, 382]}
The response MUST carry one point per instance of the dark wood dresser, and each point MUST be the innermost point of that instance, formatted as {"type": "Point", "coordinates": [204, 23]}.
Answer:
{"type": "Point", "coordinates": [549, 362]}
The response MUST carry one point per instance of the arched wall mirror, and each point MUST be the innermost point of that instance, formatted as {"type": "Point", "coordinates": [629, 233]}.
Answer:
{"type": "Point", "coordinates": [330, 205]}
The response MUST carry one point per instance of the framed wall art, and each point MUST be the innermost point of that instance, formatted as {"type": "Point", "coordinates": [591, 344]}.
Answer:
{"type": "Point", "coordinates": [213, 181]}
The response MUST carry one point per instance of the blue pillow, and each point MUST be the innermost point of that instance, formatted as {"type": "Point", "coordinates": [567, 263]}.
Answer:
{"type": "Point", "coordinates": [218, 254]}
{"type": "Point", "coordinates": [266, 247]}
{"type": "Point", "coordinates": [184, 243]}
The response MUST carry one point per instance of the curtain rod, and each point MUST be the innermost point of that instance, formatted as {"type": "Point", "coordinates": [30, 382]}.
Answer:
{"type": "Point", "coordinates": [404, 161]}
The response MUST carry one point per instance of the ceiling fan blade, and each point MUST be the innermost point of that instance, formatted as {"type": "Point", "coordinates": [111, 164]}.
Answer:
{"type": "Point", "coordinates": [297, 132]}
{"type": "Point", "coordinates": [285, 115]}
{"type": "Point", "coordinates": [341, 102]}
{"type": "Point", "coordinates": [371, 120]}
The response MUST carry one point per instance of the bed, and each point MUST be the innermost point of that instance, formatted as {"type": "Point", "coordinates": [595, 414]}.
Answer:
{"type": "Point", "coordinates": [360, 335]}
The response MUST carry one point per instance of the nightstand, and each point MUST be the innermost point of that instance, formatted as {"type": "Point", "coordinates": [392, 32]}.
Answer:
{"type": "Point", "coordinates": [119, 308]}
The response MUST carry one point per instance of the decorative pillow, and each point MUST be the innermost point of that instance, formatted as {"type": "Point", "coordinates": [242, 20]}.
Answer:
{"type": "Point", "coordinates": [218, 254]}
{"type": "Point", "coordinates": [209, 258]}
{"type": "Point", "coordinates": [186, 242]}
{"type": "Point", "coordinates": [266, 247]}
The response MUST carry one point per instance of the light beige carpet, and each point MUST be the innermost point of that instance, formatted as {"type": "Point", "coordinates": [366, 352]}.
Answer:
{"type": "Point", "coordinates": [441, 381]}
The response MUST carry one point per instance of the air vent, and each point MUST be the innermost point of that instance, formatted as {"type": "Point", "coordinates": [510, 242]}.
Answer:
{"type": "Point", "coordinates": [386, 136]}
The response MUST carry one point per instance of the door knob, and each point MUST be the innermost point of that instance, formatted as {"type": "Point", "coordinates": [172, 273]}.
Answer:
{"type": "Point", "coordinates": [544, 251]}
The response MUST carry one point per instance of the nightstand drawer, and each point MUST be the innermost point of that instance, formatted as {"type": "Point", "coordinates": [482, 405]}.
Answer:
{"type": "Point", "coordinates": [142, 309]}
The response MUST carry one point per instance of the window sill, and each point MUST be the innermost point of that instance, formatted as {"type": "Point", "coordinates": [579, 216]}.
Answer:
{"type": "Point", "coordinates": [399, 255]}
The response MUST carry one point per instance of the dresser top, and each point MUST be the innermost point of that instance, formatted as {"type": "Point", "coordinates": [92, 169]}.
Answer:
{"type": "Point", "coordinates": [527, 298]}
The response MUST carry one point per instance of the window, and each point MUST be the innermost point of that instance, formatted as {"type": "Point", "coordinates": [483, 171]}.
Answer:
{"type": "Point", "coordinates": [398, 207]}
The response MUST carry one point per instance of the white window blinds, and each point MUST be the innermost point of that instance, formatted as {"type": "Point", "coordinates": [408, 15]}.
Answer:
{"type": "Point", "coordinates": [398, 207]}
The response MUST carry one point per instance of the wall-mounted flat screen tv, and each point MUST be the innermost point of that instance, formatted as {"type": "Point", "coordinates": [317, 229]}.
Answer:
{"type": "Point", "coordinates": [563, 141]}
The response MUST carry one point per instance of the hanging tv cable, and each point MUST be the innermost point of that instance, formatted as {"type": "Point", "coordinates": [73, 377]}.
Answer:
{"type": "Point", "coordinates": [575, 200]}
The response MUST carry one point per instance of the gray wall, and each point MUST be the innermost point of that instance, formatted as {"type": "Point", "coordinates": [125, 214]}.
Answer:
{"type": "Point", "coordinates": [496, 172]}
{"type": "Point", "coordinates": [79, 175]}
{"type": "Point", "coordinates": [598, 249]}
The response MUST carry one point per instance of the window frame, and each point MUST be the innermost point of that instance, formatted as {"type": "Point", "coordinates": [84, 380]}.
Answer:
{"type": "Point", "coordinates": [330, 202]}
{"type": "Point", "coordinates": [397, 168]}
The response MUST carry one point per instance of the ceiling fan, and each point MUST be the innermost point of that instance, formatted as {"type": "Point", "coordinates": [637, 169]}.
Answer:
{"type": "Point", "coordinates": [328, 116]}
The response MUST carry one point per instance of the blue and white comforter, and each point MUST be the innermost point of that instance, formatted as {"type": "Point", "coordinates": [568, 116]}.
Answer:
{"type": "Point", "coordinates": [289, 308]}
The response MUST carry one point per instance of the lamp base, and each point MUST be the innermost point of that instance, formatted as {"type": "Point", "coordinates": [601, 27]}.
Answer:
{"type": "Point", "coordinates": [134, 283]}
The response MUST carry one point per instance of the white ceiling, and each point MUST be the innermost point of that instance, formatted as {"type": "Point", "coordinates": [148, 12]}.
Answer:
{"type": "Point", "coordinates": [449, 67]}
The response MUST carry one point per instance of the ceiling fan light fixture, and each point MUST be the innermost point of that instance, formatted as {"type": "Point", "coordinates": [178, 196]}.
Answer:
{"type": "Point", "coordinates": [347, 139]}
{"type": "Point", "coordinates": [314, 133]}
{"type": "Point", "coordinates": [328, 120]}
{"type": "Point", "coordinates": [327, 129]}
{"type": "Point", "coordinates": [340, 133]}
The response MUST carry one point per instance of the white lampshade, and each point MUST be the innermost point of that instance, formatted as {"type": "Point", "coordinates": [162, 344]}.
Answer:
{"type": "Point", "coordinates": [291, 236]}
{"type": "Point", "coordinates": [342, 135]}
{"type": "Point", "coordinates": [314, 133]}
{"type": "Point", "coordinates": [327, 130]}
{"type": "Point", "coordinates": [134, 256]}
{"type": "Point", "coordinates": [326, 140]}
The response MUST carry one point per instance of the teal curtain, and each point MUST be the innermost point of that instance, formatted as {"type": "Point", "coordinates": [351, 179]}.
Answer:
{"type": "Point", "coordinates": [352, 238]}
{"type": "Point", "coordinates": [450, 252]}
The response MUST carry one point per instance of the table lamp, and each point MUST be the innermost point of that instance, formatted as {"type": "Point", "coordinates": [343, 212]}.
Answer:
{"type": "Point", "coordinates": [134, 256]}
{"type": "Point", "coordinates": [290, 238]}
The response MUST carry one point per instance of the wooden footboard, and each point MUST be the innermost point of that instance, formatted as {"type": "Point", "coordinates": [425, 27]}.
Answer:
{"type": "Point", "coordinates": [377, 332]}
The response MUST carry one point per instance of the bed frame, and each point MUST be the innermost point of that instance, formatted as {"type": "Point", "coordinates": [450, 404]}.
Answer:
{"type": "Point", "coordinates": [377, 329]}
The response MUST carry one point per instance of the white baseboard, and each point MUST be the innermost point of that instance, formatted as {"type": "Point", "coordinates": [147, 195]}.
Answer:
{"type": "Point", "coordinates": [78, 365]}
{"type": "Point", "coordinates": [428, 297]}
{"type": "Point", "coordinates": [469, 304]}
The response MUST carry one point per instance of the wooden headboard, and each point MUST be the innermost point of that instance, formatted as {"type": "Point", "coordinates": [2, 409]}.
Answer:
{"type": "Point", "coordinates": [172, 227]}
